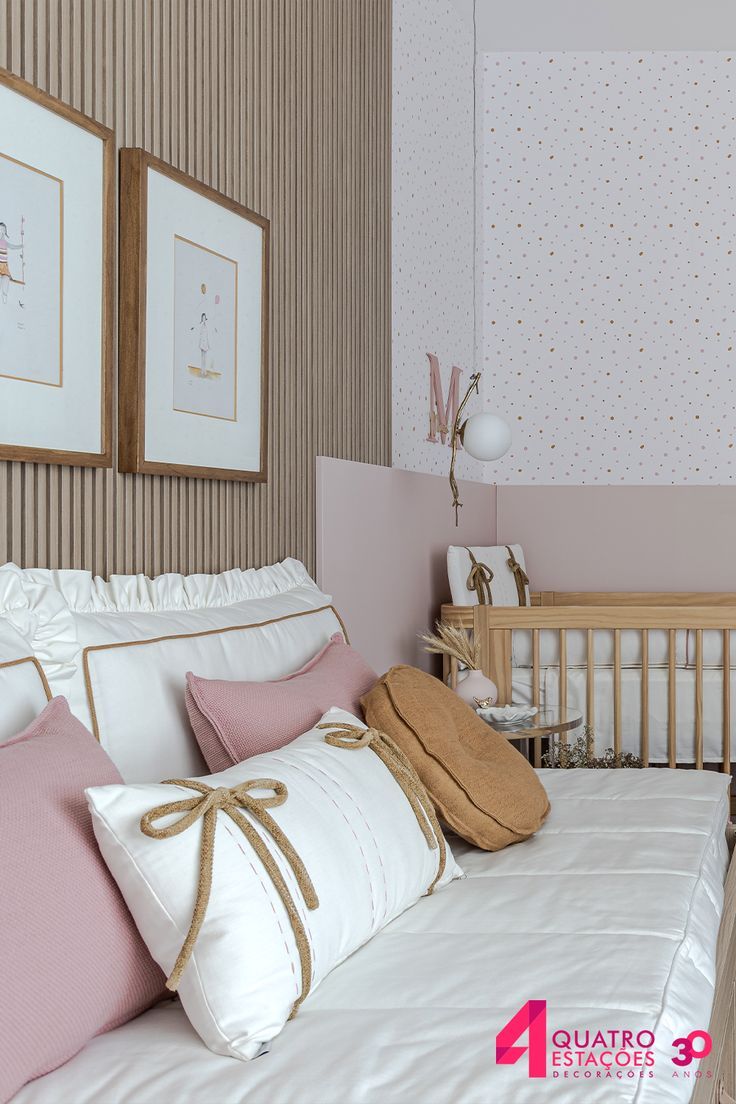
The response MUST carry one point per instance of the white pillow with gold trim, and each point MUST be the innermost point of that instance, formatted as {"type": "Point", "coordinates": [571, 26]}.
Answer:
{"type": "Point", "coordinates": [24, 692]}
{"type": "Point", "coordinates": [291, 897]}
{"type": "Point", "coordinates": [128, 643]}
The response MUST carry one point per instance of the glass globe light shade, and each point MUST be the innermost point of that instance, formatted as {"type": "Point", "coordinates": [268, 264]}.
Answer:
{"type": "Point", "coordinates": [486, 436]}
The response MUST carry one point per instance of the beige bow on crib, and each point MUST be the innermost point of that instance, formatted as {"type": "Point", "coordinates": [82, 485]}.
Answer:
{"type": "Point", "coordinates": [520, 576]}
{"type": "Point", "coordinates": [479, 580]}
{"type": "Point", "coordinates": [234, 802]}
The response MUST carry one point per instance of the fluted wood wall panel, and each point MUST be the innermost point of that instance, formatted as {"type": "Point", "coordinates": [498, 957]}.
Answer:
{"type": "Point", "coordinates": [285, 106]}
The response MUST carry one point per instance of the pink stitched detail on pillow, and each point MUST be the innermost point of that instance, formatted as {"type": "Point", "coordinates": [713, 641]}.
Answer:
{"type": "Point", "coordinates": [235, 720]}
{"type": "Point", "coordinates": [71, 960]}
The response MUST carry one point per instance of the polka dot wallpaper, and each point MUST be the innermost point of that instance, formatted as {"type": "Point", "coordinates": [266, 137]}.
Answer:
{"type": "Point", "coordinates": [606, 237]}
{"type": "Point", "coordinates": [433, 218]}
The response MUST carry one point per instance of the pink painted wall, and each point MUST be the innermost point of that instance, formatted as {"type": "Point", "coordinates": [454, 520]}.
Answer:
{"type": "Point", "coordinates": [623, 538]}
{"type": "Point", "coordinates": [382, 537]}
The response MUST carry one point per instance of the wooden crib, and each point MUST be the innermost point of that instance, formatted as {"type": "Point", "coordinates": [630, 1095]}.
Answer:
{"type": "Point", "coordinates": [612, 612]}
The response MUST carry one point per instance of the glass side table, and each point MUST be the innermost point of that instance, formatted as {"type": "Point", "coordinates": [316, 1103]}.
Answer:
{"type": "Point", "coordinates": [548, 721]}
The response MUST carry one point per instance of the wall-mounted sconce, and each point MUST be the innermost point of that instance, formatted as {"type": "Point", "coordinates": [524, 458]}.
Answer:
{"type": "Point", "coordinates": [483, 436]}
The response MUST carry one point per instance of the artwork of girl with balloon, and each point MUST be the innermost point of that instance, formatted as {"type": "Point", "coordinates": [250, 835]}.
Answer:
{"type": "Point", "coordinates": [205, 306]}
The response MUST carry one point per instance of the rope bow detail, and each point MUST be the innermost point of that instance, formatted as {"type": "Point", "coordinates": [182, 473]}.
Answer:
{"type": "Point", "coordinates": [351, 738]}
{"type": "Point", "coordinates": [235, 802]}
{"type": "Point", "coordinates": [479, 580]}
{"type": "Point", "coordinates": [520, 576]}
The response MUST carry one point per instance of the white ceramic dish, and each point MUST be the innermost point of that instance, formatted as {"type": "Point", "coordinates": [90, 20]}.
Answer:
{"type": "Point", "coordinates": [508, 714]}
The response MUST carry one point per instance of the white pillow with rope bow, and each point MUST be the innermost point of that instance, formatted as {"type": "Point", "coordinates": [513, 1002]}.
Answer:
{"type": "Point", "coordinates": [250, 885]}
{"type": "Point", "coordinates": [493, 576]}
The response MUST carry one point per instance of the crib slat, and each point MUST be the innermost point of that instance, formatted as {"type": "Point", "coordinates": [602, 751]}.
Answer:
{"type": "Point", "coordinates": [617, 691]}
{"type": "Point", "coordinates": [671, 702]}
{"type": "Point", "coordinates": [645, 696]}
{"type": "Point", "coordinates": [726, 701]}
{"type": "Point", "coordinates": [590, 683]}
{"type": "Point", "coordinates": [536, 744]}
{"type": "Point", "coordinates": [563, 675]}
{"type": "Point", "coordinates": [535, 667]}
{"type": "Point", "coordinates": [698, 699]}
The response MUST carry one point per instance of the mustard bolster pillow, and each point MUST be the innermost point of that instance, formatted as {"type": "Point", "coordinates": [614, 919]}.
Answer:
{"type": "Point", "coordinates": [482, 787]}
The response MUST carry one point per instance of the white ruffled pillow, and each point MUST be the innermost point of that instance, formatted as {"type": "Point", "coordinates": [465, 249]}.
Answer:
{"type": "Point", "coordinates": [361, 849]}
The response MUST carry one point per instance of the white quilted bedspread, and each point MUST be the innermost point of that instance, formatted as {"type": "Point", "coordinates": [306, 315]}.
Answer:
{"type": "Point", "coordinates": [610, 914]}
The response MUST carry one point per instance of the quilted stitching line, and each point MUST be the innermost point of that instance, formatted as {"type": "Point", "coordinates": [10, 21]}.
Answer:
{"type": "Point", "coordinates": [270, 901]}
{"type": "Point", "coordinates": [357, 840]}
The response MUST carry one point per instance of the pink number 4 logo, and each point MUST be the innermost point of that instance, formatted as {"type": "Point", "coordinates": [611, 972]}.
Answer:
{"type": "Point", "coordinates": [532, 1019]}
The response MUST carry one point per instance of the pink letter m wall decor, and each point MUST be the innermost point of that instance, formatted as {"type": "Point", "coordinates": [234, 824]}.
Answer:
{"type": "Point", "coordinates": [441, 413]}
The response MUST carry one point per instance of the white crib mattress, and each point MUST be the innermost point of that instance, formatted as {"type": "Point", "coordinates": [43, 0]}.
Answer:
{"type": "Point", "coordinates": [610, 914]}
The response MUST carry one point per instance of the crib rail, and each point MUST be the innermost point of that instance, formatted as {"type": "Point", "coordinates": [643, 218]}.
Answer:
{"type": "Point", "coordinates": [594, 614]}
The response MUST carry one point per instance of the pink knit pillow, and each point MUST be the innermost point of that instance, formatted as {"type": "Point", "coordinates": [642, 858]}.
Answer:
{"type": "Point", "coordinates": [71, 960]}
{"type": "Point", "coordinates": [234, 720]}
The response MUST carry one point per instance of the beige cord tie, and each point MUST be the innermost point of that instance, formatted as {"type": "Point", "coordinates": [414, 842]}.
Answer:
{"type": "Point", "coordinates": [234, 802]}
{"type": "Point", "coordinates": [479, 580]}
{"type": "Point", "coordinates": [520, 576]}
{"type": "Point", "coordinates": [351, 737]}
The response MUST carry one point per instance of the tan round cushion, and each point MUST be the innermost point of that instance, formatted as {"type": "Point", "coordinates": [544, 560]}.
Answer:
{"type": "Point", "coordinates": [482, 787]}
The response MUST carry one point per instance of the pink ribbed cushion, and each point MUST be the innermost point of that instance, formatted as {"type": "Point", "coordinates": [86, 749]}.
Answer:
{"type": "Point", "coordinates": [234, 720]}
{"type": "Point", "coordinates": [72, 963]}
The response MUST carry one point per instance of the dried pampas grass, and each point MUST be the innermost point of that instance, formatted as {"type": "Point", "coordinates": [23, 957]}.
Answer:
{"type": "Point", "coordinates": [454, 642]}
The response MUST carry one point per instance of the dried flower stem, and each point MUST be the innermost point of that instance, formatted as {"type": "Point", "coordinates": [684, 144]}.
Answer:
{"type": "Point", "coordinates": [454, 642]}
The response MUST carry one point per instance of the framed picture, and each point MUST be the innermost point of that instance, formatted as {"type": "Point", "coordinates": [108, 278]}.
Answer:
{"type": "Point", "coordinates": [193, 326]}
{"type": "Point", "coordinates": [57, 172]}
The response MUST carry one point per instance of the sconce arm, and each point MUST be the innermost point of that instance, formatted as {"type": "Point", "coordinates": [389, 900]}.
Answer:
{"type": "Point", "coordinates": [457, 436]}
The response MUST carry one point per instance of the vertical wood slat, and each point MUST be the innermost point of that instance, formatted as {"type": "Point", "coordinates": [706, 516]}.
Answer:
{"type": "Point", "coordinates": [672, 700]}
{"type": "Point", "coordinates": [698, 699]}
{"type": "Point", "coordinates": [495, 655]}
{"type": "Point", "coordinates": [563, 667]}
{"type": "Point", "coordinates": [535, 667]}
{"type": "Point", "coordinates": [563, 676]}
{"type": "Point", "coordinates": [286, 107]}
{"type": "Point", "coordinates": [590, 681]}
{"type": "Point", "coordinates": [536, 744]}
{"type": "Point", "coordinates": [617, 691]}
{"type": "Point", "coordinates": [726, 764]}
{"type": "Point", "coordinates": [645, 696]}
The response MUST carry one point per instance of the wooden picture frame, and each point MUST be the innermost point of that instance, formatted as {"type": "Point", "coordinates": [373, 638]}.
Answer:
{"type": "Point", "coordinates": [66, 397]}
{"type": "Point", "coordinates": [139, 171]}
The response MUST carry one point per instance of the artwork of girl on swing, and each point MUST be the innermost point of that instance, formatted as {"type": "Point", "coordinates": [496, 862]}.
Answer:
{"type": "Point", "coordinates": [6, 276]}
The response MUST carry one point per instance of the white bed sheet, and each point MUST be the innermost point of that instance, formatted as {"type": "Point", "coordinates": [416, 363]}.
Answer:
{"type": "Point", "coordinates": [610, 913]}
{"type": "Point", "coordinates": [631, 708]}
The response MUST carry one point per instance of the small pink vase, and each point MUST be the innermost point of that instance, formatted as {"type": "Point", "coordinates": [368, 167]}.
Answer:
{"type": "Point", "coordinates": [474, 684]}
